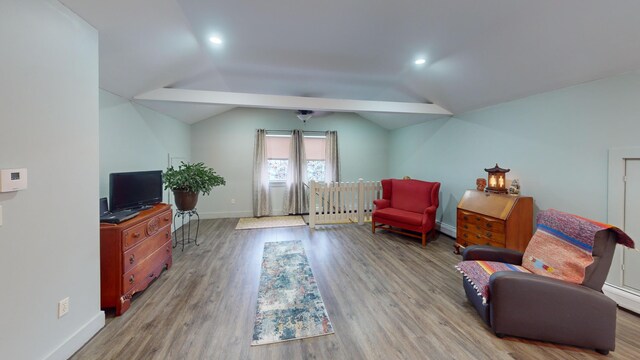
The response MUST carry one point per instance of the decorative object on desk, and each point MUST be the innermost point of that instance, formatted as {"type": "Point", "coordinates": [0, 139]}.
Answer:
{"type": "Point", "coordinates": [270, 222]}
{"type": "Point", "coordinates": [406, 177]}
{"type": "Point", "coordinates": [481, 183]}
{"type": "Point", "coordinates": [289, 303]}
{"type": "Point", "coordinates": [497, 180]}
{"type": "Point", "coordinates": [188, 181]}
{"type": "Point", "coordinates": [514, 188]}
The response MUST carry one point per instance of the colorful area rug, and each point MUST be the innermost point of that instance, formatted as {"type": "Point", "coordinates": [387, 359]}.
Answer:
{"type": "Point", "coordinates": [289, 303]}
{"type": "Point", "coordinates": [270, 222]}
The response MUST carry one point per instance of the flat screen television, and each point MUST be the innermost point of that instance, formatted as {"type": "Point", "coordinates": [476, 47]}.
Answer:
{"type": "Point", "coordinates": [135, 190]}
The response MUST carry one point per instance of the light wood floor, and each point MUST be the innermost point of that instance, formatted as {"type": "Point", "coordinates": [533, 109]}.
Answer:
{"type": "Point", "coordinates": [387, 297]}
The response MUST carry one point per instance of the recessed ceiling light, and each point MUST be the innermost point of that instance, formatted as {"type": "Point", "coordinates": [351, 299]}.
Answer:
{"type": "Point", "coordinates": [420, 61]}
{"type": "Point", "coordinates": [216, 40]}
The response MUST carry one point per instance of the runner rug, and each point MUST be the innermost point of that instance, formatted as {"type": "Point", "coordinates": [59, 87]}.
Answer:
{"type": "Point", "coordinates": [270, 222]}
{"type": "Point", "coordinates": [289, 303]}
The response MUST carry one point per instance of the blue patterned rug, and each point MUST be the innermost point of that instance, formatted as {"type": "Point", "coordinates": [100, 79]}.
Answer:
{"type": "Point", "coordinates": [289, 302]}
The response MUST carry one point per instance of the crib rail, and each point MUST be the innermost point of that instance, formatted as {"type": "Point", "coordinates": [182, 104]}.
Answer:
{"type": "Point", "coordinates": [338, 202]}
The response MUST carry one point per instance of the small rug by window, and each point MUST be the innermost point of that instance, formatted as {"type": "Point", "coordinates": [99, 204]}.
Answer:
{"type": "Point", "coordinates": [270, 222]}
{"type": "Point", "coordinates": [289, 303]}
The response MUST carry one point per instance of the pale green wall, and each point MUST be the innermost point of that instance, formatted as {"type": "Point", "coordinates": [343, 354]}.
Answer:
{"type": "Point", "coordinates": [556, 143]}
{"type": "Point", "coordinates": [225, 142]}
{"type": "Point", "coordinates": [49, 242]}
{"type": "Point", "coordinates": [136, 138]}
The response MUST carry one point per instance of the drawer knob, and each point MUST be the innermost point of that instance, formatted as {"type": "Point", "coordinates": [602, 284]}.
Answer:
{"type": "Point", "coordinates": [132, 279]}
{"type": "Point", "coordinates": [136, 235]}
{"type": "Point", "coordinates": [465, 235]}
{"type": "Point", "coordinates": [151, 275]}
{"type": "Point", "coordinates": [132, 258]}
{"type": "Point", "coordinates": [478, 219]}
{"type": "Point", "coordinates": [168, 249]}
{"type": "Point", "coordinates": [488, 234]}
{"type": "Point", "coordinates": [166, 235]}
{"type": "Point", "coordinates": [489, 225]}
{"type": "Point", "coordinates": [465, 226]}
{"type": "Point", "coordinates": [167, 218]}
{"type": "Point", "coordinates": [465, 217]}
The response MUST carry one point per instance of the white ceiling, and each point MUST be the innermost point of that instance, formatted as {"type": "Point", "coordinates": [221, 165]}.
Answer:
{"type": "Point", "coordinates": [479, 53]}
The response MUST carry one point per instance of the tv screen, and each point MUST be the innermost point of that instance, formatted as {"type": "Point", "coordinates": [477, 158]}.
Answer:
{"type": "Point", "coordinates": [130, 190]}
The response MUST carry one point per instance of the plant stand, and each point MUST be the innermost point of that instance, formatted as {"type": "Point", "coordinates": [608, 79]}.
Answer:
{"type": "Point", "coordinates": [185, 215]}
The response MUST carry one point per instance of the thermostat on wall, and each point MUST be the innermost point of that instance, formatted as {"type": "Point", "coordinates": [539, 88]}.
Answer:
{"type": "Point", "coordinates": [13, 179]}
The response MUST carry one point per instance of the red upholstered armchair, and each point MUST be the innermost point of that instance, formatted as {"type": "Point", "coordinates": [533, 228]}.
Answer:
{"type": "Point", "coordinates": [407, 204]}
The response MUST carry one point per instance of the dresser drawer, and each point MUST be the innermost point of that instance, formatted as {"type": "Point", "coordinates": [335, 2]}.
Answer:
{"type": "Point", "coordinates": [494, 236]}
{"type": "Point", "coordinates": [140, 252]}
{"type": "Point", "coordinates": [488, 223]}
{"type": "Point", "coordinates": [157, 222]}
{"type": "Point", "coordinates": [466, 238]}
{"type": "Point", "coordinates": [139, 276]}
{"type": "Point", "coordinates": [165, 219]}
{"type": "Point", "coordinates": [134, 235]}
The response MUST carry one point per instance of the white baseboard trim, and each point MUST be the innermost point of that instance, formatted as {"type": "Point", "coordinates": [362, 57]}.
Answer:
{"type": "Point", "coordinates": [78, 339]}
{"type": "Point", "coordinates": [446, 229]}
{"type": "Point", "coordinates": [625, 298]}
{"type": "Point", "coordinates": [226, 214]}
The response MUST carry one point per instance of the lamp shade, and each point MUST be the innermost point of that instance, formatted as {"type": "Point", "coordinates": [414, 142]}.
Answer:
{"type": "Point", "coordinates": [497, 180]}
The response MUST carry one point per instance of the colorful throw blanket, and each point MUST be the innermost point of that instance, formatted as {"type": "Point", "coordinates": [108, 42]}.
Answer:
{"type": "Point", "coordinates": [563, 243]}
{"type": "Point", "coordinates": [479, 272]}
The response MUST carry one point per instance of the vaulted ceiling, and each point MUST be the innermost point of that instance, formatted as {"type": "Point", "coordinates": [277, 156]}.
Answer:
{"type": "Point", "coordinates": [478, 53]}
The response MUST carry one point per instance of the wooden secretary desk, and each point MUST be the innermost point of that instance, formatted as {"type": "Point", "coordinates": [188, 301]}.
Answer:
{"type": "Point", "coordinates": [494, 219]}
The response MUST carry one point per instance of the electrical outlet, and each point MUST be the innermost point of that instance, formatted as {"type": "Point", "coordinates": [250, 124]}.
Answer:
{"type": "Point", "coordinates": [63, 307]}
{"type": "Point", "coordinates": [233, 201]}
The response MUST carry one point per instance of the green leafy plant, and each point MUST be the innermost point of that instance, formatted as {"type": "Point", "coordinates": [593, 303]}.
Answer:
{"type": "Point", "coordinates": [196, 178]}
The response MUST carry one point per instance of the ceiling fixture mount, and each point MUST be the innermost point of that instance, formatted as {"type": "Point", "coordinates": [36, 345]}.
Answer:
{"type": "Point", "coordinates": [304, 115]}
{"type": "Point", "coordinates": [216, 40]}
{"type": "Point", "coordinates": [420, 61]}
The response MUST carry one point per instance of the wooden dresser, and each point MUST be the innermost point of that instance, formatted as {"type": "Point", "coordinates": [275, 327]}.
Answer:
{"type": "Point", "coordinates": [494, 219]}
{"type": "Point", "coordinates": [132, 254]}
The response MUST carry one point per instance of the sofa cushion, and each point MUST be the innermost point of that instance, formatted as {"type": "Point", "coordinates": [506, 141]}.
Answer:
{"type": "Point", "coordinates": [411, 195]}
{"type": "Point", "coordinates": [398, 215]}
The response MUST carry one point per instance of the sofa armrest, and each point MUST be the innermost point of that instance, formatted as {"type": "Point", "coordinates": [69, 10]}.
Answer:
{"type": "Point", "coordinates": [538, 307]}
{"type": "Point", "coordinates": [430, 210]}
{"type": "Point", "coordinates": [492, 253]}
{"type": "Point", "coordinates": [381, 203]}
{"type": "Point", "coordinates": [429, 217]}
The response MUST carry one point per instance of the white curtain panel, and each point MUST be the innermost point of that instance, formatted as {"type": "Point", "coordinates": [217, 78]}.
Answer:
{"type": "Point", "coordinates": [295, 197]}
{"type": "Point", "coordinates": [331, 157]}
{"type": "Point", "coordinates": [261, 206]}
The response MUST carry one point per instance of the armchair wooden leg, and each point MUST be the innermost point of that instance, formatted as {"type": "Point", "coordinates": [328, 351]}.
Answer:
{"type": "Point", "coordinates": [373, 227]}
{"type": "Point", "coordinates": [424, 239]}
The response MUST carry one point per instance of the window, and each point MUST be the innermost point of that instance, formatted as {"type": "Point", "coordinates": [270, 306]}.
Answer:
{"type": "Point", "coordinates": [278, 157]}
{"type": "Point", "coordinates": [278, 169]}
{"type": "Point", "coordinates": [315, 170]}
{"type": "Point", "coordinates": [314, 150]}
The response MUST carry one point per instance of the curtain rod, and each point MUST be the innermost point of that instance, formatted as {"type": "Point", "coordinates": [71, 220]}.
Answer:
{"type": "Point", "coordinates": [304, 131]}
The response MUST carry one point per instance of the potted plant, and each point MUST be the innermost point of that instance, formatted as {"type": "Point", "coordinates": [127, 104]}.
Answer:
{"type": "Point", "coordinates": [188, 181]}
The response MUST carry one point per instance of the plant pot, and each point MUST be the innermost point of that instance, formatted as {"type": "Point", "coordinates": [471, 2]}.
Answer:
{"type": "Point", "coordinates": [185, 200]}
